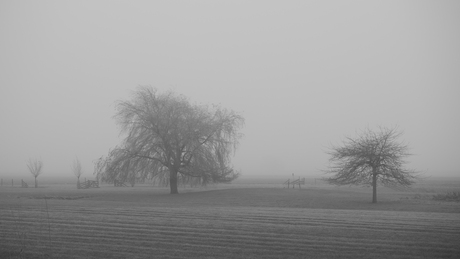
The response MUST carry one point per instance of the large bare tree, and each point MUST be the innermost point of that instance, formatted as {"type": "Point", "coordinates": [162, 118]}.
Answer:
{"type": "Point", "coordinates": [35, 167]}
{"type": "Point", "coordinates": [168, 137]}
{"type": "Point", "coordinates": [372, 157]}
{"type": "Point", "coordinates": [77, 170]}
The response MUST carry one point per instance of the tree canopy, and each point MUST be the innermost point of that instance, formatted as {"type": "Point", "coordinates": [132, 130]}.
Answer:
{"type": "Point", "coordinates": [372, 157]}
{"type": "Point", "coordinates": [168, 138]}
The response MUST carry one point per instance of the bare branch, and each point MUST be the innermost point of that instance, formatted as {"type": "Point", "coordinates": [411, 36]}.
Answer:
{"type": "Point", "coordinates": [76, 168]}
{"type": "Point", "coordinates": [165, 132]}
{"type": "Point", "coordinates": [370, 158]}
{"type": "Point", "coordinates": [35, 167]}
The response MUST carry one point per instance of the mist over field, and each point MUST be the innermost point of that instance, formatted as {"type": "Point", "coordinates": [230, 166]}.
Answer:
{"type": "Point", "coordinates": [302, 87]}
{"type": "Point", "coordinates": [303, 74]}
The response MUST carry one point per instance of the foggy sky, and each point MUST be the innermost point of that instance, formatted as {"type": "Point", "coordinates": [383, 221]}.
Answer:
{"type": "Point", "coordinates": [303, 74]}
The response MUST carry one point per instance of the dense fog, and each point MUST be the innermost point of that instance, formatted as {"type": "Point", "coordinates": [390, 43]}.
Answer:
{"type": "Point", "coordinates": [303, 74]}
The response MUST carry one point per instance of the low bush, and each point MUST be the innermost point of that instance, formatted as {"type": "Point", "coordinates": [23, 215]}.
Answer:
{"type": "Point", "coordinates": [450, 196]}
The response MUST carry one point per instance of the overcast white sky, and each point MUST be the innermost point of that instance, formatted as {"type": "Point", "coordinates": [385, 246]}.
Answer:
{"type": "Point", "coordinates": [303, 74]}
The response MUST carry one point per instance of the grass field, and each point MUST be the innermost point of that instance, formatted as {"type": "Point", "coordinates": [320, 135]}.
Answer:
{"type": "Point", "coordinates": [230, 221]}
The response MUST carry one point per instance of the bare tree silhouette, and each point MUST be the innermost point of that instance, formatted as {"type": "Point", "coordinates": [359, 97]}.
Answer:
{"type": "Point", "coordinates": [370, 158]}
{"type": "Point", "coordinates": [35, 167]}
{"type": "Point", "coordinates": [168, 136]}
{"type": "Point", "coordinates": [77, 170]}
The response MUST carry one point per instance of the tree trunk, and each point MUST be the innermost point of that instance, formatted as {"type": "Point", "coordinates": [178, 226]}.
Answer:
{"type": "Point", "coordinates": [36, 184]}
{"type": "Point", "coordinates": [374, 185]}
{"type": "Point", "coordinates": [173, 181]}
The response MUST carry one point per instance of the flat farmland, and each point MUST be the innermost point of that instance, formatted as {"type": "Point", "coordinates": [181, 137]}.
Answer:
{"type": "Point", "coordinates": [145, 222]}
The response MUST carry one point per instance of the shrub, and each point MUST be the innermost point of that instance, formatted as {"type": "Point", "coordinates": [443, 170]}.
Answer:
{"type": "Point", "coordinates": [453, 196]}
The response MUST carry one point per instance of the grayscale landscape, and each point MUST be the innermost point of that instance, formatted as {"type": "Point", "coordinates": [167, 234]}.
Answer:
{"type": "Point", "coordinates": [229, 129]}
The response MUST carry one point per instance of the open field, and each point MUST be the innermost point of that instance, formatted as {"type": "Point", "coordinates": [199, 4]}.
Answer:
{"type": "Point", "coordinates": [59, 221]}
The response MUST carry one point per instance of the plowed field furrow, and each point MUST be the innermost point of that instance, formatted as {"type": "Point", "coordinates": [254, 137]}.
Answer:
{"type": "Point", "coordinates": [215, 244]}
{"type": "Point", "coordinates": [127, 228]}
{"type": "Point", "coordinates": [114, 224]}
{"type": "Point", "coordinates": [238, 222]}
{"type": "Point", "coordinates": [164, 247]}
{"type": "Point", "coordinates": [274, 215]}
{"type": "Point", "coordinates": [193, 231]}
{"type": "Point", "coordinates": [120, 239]}
{"type": "Point", "coordinates": [278, 215]}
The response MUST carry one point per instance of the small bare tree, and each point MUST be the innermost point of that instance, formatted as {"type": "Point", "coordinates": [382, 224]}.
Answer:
{"type": "Point", "coordinates": [372, 157]}
{"type": "Point", "coordinates": [77, 171]}
{"type": "Point", "coordinates": [35, 167]}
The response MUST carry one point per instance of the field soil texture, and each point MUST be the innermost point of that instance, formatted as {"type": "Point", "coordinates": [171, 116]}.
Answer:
{"type": "Point", "coordinates": [60, 221]}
